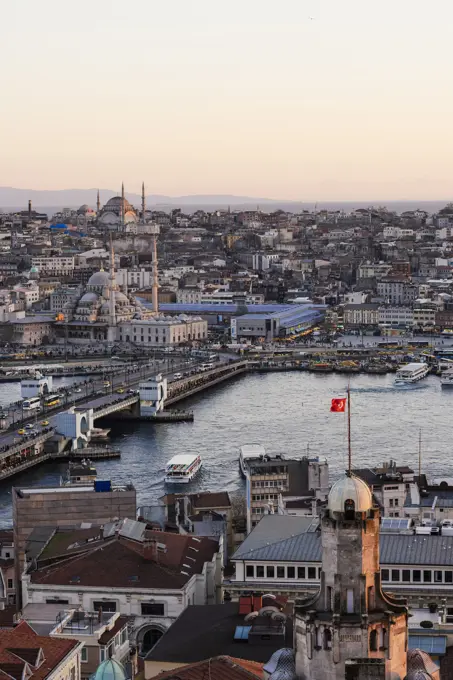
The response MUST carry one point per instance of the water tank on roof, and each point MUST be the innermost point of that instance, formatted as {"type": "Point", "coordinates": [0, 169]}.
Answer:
{"type": "Point", "coordinates": [102, 485]}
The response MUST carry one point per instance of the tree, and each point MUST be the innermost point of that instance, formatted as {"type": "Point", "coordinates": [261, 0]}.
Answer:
{"type": "Point", "coordinates": [238, 506]}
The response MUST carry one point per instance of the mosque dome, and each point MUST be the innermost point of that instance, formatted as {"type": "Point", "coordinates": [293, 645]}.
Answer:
{"type": "Point", "coordinates": [115, 204]}
{"type": "Point", "coordinates": [99, 279]}
{"type": "Point", "coordinates": [110, 670]}
{"type": "Point", "coordinates": [351, 488]}
{"type": "Point", "coordinates": [84, 209]}
{"type": "Point", "coordinates": [90, 298]}
{"type": "Point", "coordinates": [121, 297]}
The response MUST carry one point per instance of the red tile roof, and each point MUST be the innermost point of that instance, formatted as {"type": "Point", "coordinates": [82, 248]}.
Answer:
{"type": "Point", "coordinates": [22, 645]}
{"type": "Point", "coordinates": [120, 563]}
{"type": "Point", "coordinates": [217, 668]}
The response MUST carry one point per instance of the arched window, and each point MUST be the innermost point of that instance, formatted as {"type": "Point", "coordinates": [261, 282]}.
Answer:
{"type": "Point", "coordinates": [382, 636]}
{"type": "Point", "coordinates": [373, 641]}
{"type": "Point", "coordinates": [349, 508]}
{"type": "Point", "coordinates": [327, 638]}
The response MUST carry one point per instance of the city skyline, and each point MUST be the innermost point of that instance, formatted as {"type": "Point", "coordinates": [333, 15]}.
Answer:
{"type": "Point", "coordinates": [316, 101]}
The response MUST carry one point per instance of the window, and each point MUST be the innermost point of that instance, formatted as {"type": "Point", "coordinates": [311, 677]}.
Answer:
{"type": "Point", "coordinates": [396, 502]}
{"type": "Point", "coordinates": [270, 572]}
{"type": "Point", "coordinates": [427, 576]}
{"type": "Point", "coordinates": [84, 655]}
{"type": "Point", "coordinates": [124, 635]}
{"type": "Point", "coordinates": [105, 605]}
{"type": "Point", "coordinates": [438, 577]}
{"type": "Point", "coordinates": [385, 574]}
{"type": "Point", "coordinates": [416, 575]}
{"type": "Point", "coordinates": [280, 572]}
{"type": "Point", "coordinates": [395, 574]}
{"type": "Point", "coordinates": [153, 609]}
{"type": "Point", "coordinates": [373, 641]}
{"type": "Point", "coordinates": [406, 575]}
{"type": "Point", "coordinates": [250, 570]}
{"type": "Point", "coordinates": [300, 572]}
{"type": "Point", "coordinates": [448, 576]}
{"type": "Point", "coordinates": [327, 638]}
{"type": "Point", "coordinates": [391, 503]}
{"type": "Point", "coordinates": [260, 571]}
{"type": "Point", "coordinates": [311, 572]}
{"type": "Point", "coordinates": [291, 572]}
{"type": "Point", "coordinates": [350, 601]}
{"type": "Point", "coordinates": [10, 583]}
{"type": "Point", "coordinates": [7, 555]}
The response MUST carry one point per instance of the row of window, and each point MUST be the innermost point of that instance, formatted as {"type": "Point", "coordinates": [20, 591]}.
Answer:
{"type": "Point", "coordinates": [265, 497]}
{"type": "Point", "coordinates": [417, 575]}
{"type": "Point", "coordinates": [270, 482]}
{"type": "Point", "coordinates": [282, 572]}
{"type": "Point", "coordinates": [109, 606]}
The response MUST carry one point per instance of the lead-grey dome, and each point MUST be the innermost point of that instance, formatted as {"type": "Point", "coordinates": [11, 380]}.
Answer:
{"type": "Point", "coordinates": [88, 298]}
{"type": "Point", "coordinates": [350, 488]}
{"type": "Point", "coordinates": [100, 278]}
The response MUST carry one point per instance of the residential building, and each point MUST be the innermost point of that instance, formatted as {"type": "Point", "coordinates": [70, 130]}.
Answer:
{"type": "Point", "coordinates": [216, 668]}
{"type": "Point", "coordinates": [134, 278]}
{"type": "Point", "coordinates": [151, 576]}
{"type": "Point", "coordinates": [7, 580]}
{"type": "Point", "coordinates": [425, 312]}
{"type": "Point", "coordinates": [272, 479]}
{"type": "Point", "coordinates": [373, 270]}
{"type": "Point", "coordinates": [62, 297]}
{"type": "Point", "coordinates": [55, 265]}
{"type": "Point", "coordinates": [390, 316]}
{"type": "Point", "coordinates": [25, 654]}
{"type": "Point", "coordinates": [32, 330]}
{"type": "Point", "coordinates": [397, 292]}
{"type": "Point", "coordinates": [189, 295]}
{"type": "Point", "coordinates": [211, 630]}
{"type": "Point", "coordinates": [389, 484]}
{"type": "Point", "coordinates": [361, 315]}
{"type": "Point", "coordinates": [41, 509]}
{"type": "Point", "coordinates": [104, 635]}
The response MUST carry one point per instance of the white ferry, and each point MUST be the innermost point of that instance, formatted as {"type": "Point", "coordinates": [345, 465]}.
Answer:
{"type": "Point", "coordinates": [182, 469]}
{"type": "Point", "coordinates": [250, 452]}
{"type": "Point", "coordinates": [411, 373]}
{"type": "Point", "coordinates": [446, 379]}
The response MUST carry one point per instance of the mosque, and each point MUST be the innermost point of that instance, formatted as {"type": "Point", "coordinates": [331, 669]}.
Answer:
{"type": "Point", "coordinates": [118, 212]}
{"type": "Point", "coordinates": [104, 313]}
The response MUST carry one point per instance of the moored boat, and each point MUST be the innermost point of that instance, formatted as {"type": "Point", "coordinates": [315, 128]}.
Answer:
{"type": "Point", "coordinates": [247, 453]}
{"type": "Point", "coordinates": [320, 367]}
{"type": "Point", "coordinates": [182, 469]}
{"type": "Point", "coordinates": [446, 379]}
{"type": "Point", "coordinates": [411, 373]}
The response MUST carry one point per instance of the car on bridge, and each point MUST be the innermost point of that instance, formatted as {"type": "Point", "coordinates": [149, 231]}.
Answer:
{"type": "Point", "coordinates": [21, 431]}
{"type": "Point", "coordinates": [44, 423]}
{"type": "Point", "coordinates": [177, 376]}
{"type": "Point", "coordinates": [120, 390]}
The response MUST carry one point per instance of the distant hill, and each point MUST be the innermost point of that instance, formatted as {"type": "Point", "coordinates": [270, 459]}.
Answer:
{"type": "Point", "coordinates": [10, 196]}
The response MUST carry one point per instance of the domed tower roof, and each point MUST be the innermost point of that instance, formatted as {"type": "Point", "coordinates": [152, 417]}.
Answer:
{"type": "Point", "coordinates": [84, 209]}
{"type": "Point", "coordinates": [89, 298]}
{"type": "Point", "coordinates": [115, 204]}
{"type": "Point", "coordinates": [350, 488]}
{"type": "Point", "coordinates": [110, 670]}
{"type": "Point", "coordinates": [100, 278]}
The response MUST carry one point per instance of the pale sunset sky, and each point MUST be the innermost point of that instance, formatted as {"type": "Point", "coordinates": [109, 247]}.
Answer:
{"type": "Point", "coordinates": [289, 99]}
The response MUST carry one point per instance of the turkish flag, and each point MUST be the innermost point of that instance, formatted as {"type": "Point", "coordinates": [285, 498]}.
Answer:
{"type": "Point", "coordinates": [338, 405]}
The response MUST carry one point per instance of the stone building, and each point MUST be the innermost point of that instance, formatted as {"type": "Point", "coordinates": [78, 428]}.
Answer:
{"type": "Point", "coordinates": [350, 627]}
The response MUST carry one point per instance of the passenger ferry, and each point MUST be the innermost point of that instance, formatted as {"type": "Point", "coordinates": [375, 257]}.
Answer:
{"type": "Point", "coordinates": [411, 373]}
{"type": "Point", "coordinates": [446, 379]}
{"type": "Point", "coordinates": [247, 453]}
{"type": "Point", "coordinates": [182, 469]}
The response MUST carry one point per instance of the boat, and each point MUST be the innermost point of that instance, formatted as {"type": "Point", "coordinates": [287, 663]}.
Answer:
{"type": "Point", "coordinates": [411, 373]}
{"type": "Point", "coordinates": [182, 469]}
{"type": "Point", "coordinates": [348, 367]}
{"type": "Point", "coordinates": [80, 472]}
{"type": "Point", "coordinates": [446, 379]}
{"type": "Point", "coordinates": [377, 369]}
{"type": "Point", "coordinates": [99, 434]}
{"type": "Point", "coordinates": [320, 367]}
{"type": "Point", "coordinates": [247, 453]}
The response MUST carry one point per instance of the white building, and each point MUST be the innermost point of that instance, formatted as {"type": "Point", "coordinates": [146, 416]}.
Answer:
{"type": "Point", "coordinates": [370, 270]}
{"type": "Point", "coordinates": [151, 577]}
{"type": "Point", "coordinates": [57, 265]}
{"type": "Point", "coordinates": [396, 316]}
{"type": "Point", "coordinates": [165, 330]}
{"type": "Point", "coordinates": [134, 278]}
{"type": "Point", "coordinates": [397, 292]}
{"type": "Point", "coordinates": [190, 295]}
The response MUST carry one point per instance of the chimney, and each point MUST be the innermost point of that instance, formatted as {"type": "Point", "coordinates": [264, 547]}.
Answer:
{"type": "Point", "coordinates": [29, 210]}
{"type": "Point", "coordinates": [150, 550]}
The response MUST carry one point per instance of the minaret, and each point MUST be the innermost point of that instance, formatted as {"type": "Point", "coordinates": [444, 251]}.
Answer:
{"type": "Point", "coordinates": [143, 203]}
{"type": "Point", "coordinates": [155, 292]}
{"type": "Point", "coordinates": [122, 205]}
{"type": "Point", "coordinates": [112, 288]}
{"type": "Point", "coordinates": [98, 205]}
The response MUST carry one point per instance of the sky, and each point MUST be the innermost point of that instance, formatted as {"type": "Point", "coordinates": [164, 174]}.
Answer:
{"type": "Point", "coordinates": [291, 99]}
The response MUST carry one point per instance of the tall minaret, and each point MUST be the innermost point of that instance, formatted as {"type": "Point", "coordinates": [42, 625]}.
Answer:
{"type": "Point", "coordinates": [143, 203]}
{"type": "Point", "coordinates": [122, 204]}
{"type": "Point", "coordinates": [112, 289]}
{"type": "Point", "coordinates": [98, 205]}
{"type": "Point", "coordinates": [155, 292]}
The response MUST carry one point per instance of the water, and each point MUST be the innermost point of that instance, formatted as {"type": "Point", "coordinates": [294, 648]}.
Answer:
{"type": "Point", "coordinates": [286, 412]}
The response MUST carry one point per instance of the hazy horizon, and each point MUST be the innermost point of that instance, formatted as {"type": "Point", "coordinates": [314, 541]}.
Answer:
{"type": "Point", "coordinates": [310, 100]}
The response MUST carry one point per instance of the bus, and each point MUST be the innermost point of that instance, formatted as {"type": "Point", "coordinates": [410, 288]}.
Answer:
{"type": "Point", "coordinates": [418, 343]}
{"type": "Point", "coordinates": [52, 400]}
{"type": "Point", "coordinates": [31, 404]}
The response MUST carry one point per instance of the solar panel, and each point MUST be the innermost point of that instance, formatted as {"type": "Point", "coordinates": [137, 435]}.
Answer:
{"type": "Point", "coordinates": [395, 523]}
{"type": "Point", "coordinates": [242, 632]}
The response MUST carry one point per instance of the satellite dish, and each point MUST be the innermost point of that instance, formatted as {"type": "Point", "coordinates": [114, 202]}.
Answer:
{"type": "Point", "coordinates": [268, 611]}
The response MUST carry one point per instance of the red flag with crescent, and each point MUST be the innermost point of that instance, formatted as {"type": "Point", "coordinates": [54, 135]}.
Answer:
{"type": "Point", "coordinates": [338, 405]}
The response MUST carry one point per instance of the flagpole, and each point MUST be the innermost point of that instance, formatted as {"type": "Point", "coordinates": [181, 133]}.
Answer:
{"type": "Point", "coordinates": [349, 429]}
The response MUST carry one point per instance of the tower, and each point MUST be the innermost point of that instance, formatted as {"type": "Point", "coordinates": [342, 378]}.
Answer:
{"type": "Point", "coordinates": [123, 205]}
{"type": "Point", "coordinates": [350, 623]}
{"type": "Point", "coordinates": [155, 291]}
{"type": "Point", "coordinates": [111, 333]}
{"type": "Point", "coordinates": [98, 205]}
{"type": "Point", "coordinates": [143, 203]}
